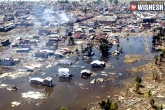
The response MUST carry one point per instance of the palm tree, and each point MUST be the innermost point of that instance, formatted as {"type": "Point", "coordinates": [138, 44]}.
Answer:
{"type": "Point", "coordinates": [64, 108]}
{"type": "Point", "coordinates": [152, 101]}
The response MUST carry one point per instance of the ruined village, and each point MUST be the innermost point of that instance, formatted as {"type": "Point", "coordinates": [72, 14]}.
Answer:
{"type": "Point", "coordinates": [81, 55]}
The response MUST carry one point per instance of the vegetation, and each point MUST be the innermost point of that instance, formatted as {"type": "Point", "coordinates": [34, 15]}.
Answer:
{"type": "Point", "coordinates": [152, 101]}
{"type": "Point", "coordinates": [104, 47]}
{"type": "Point", "coordinates": [160, 108]}
{"type": "Point", "coordinates": [89, 49]}
{"type": "Point", "coordinates": [138, 80]}
{"type": "Point", "coordinates": [71, 41]}
{"type": "Point", "coordinates": [148, 94]}
{"type": "Point", "coordinates": [64, 108]}
{"type": "Point", "coordinates": [77, 52]}
{"type": "Point", "coordinates": [108, 105]}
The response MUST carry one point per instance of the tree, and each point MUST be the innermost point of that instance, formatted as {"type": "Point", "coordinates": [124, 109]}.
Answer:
{"type": "Point", "coordinates": [138, 79]}
{"type": "Point", "coordinates": [148, 94]}
{"type": "Point", "coordinates": [77, 51]}
{"type": "Point", "coordinates": [104, 46]}
{"type": "Point", "coordinates": [137, 87]}
{"type": "Point", "coordinates": [114, 106]}
{"type": "Point", "coordinates": [152, 101]}
{"type": "Point", "coordinates": [160, 108]}
{"type": "Point", "coordinates": [85, 10]}
{"type": "Point", "coordinates": [89, 49]}
{"type": "Point", "coordinates": [64, 108]}
{"type": "Point", "coordinates": [71, 41]}
{"type": "Point", "coordinates": [108, 105]}
{"type": "Point", "coordinates": [105, 105]}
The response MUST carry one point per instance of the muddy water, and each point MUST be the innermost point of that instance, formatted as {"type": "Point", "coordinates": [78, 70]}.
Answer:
{"type": "Point", "coordinates": [77, 92]}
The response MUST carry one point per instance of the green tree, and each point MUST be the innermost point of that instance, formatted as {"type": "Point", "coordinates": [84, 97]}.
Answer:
{"type": "Point", "coordinates": [105, 104]}
{"type": "Point", "coordinates": [137, 87]}
{"type": "Point", "coordinates": [148, 94]}
{"type": "Point", "coordinates": [152, 101]}
{"type": "Point", "coordinates": [77, 51]}
{"type": "Point", "coordinates": [160, 108]}
{"type": "Point", "coordinates": [138, 79]}
{"type": "Point", "coordinates": [71, 41]}
{"type": "Point", "coordinates": [108, 105]}
{"type": "Point", "coordinates": [104, 46]}
{"type": "Point", "coordinates": [64, 108]}
{"type": "Point", "coordinates": [114, 106]}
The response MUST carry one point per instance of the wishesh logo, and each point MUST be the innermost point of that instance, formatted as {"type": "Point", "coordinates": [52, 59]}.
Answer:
{"type": "Point", "coordinates": [147, 5]}
{"type": "Point", "coordinates": [133, 7]}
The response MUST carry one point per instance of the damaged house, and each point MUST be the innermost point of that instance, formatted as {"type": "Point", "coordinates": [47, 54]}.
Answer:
{"type": "Point", "coordinates": [5, 42]}
{"type": "Point", "coordinates": [39, 81]}
{"type": "Point", "coordinates": [8, 61]}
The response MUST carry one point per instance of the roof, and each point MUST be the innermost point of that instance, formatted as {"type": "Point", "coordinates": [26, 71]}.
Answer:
{"type": "Point", "coordinates": [85, 71]}
{"type": "Point", "coordinates": [63, 70]}
{"type": "Point", "coordinates": [98, 62]}
{"type": "Point", "coordinates": [37, 79]}
{"type": "Point", "coordinates": [77, 34]}
{"type": "Point", "coordinates": [107, 18]}
{"type": "Point", "coordinates": [48, 78]}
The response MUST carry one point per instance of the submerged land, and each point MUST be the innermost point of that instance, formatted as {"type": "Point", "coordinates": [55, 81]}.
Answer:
{"type": "Point", "coordinates": [110, 52]}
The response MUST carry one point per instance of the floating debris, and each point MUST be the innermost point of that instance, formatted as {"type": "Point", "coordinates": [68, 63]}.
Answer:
{"type": "Point", "coordinates": [33, 95]}
{"type": "Point", "coordinates": [100, 80]}
{"type": "Point", "coordinates": [93, 81]}
{"type": "Point", "coordinates": [13, 104]}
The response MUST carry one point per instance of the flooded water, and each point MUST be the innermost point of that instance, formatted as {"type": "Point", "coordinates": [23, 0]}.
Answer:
{"type": "Point", "coordinates": [77, 92]}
